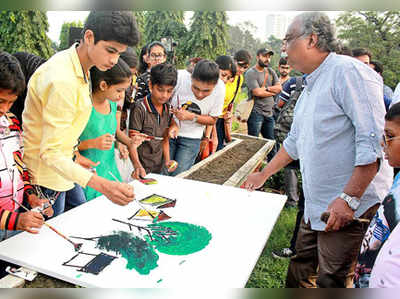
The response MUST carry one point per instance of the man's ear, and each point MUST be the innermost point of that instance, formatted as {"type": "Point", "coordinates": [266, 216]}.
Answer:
{"type": "Point", "coordinates": [313, 40]}
{"type": "Point", "coordinates": [150, 86]}
{"type": "Point", "coordinates": [88, 37]}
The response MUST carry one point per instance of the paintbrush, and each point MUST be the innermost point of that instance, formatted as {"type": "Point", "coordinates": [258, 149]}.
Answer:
{"type": "Point", "coordinates": [115, 178]}
{"type": "Point", "coordinates": [77, 246]}
{"type": "Point", "coordinates": [325, 217]}
{"type": "Point", "coordinates": [149, 137]}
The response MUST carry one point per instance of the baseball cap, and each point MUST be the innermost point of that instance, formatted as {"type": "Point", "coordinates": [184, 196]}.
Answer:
{"type": "Point", "coordinates": [264, 51]}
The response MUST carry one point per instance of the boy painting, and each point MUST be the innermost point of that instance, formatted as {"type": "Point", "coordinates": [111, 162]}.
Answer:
{"type": "Point", "coordinates": [151, 116]}
{"type": "Point", "coordinates": [58, 106]}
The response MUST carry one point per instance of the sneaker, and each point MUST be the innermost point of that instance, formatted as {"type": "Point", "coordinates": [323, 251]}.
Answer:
{"type": "Point", "coordinates": [284, 253]}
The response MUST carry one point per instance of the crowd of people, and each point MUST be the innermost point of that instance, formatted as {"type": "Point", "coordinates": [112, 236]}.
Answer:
{"type": "Point", "coordinates": [93, 117]}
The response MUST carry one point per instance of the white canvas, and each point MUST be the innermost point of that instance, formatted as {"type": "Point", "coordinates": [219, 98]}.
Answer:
{"type": "Point", "coordinates": [239, 221]}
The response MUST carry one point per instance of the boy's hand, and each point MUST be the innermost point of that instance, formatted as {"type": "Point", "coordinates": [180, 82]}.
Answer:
{"type": "Point", "coordinates": [138, 172]}
{"type": "Point", "coordinates": [104, 142]}
{"type": "Point", "coordinates": [173, 132]}
{"type": "Point", "coordinates": [35, 201]}
{"type": "Point", "coordinates": [85, 162]}
{"type": "Point", "coordinates": [183, 114]}
{"type": "Point", "coordinates": [171, 165]}
{"type": "Point", "coordinates": [30, 222]}
{"type": "Point", "coordinates": [123, 151]}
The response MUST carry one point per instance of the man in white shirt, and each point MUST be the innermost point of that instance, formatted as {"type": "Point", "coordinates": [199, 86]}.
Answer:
{"type": "Point", "coordinates": [197, 102]}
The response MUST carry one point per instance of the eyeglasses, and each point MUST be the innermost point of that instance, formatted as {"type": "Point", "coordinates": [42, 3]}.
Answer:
{"type": "Point", "coordinates": [243, 65]}
{"type": "Point", "coordinates": [386, 139]}
{"type": "Point", "coordinates": [289, 39]}
{"type": "Point", "coordinates": [155, 56]}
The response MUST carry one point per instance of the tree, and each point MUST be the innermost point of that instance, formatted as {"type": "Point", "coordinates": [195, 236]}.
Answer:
{"type": "Point", "coordinates": [377, 31]}
{"type": "Point", "coordinates": [241, 37]}
{"type": "Point", "coordinates": [25, 30]}
{"type": "Point", "coordinates": [64, 34]}
{"type": "Point", "coordinates": [208, 34]}
{"type": "Point", "coordinates": [275, 44]}
{"type": "Point", "coordinates": [140, 16]}
{"type": "Point", "coordinates": [160, 24]}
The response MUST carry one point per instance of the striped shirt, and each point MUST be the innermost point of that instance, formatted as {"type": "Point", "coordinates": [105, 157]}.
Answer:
{"type": "Point", "coordinates": [14, 178]}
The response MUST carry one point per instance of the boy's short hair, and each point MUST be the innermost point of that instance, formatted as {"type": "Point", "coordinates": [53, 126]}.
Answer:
{"type": "Point", "coordinates": [11, 76]}
{"type": "Point", "coordinates": [378, 66]}
{"type": "Point", "coordinates": [130, 57]}
{"type": "Point", "coordinates": [283, 61]}
{"type": "Point", "coordinates": [242, 55]}
{"type": "Point", "coordinates": [206, 71]}
{"type": "Point", "coordinates": [163, 74]}
{"type": "Point", "coordinates": [108, 25]}
{"type": "Point", "coordinates": [115, 75]}
{"type": "Point", "coordinates": [361, 52]}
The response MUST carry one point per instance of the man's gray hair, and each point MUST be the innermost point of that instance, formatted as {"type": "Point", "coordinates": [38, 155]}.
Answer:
{"type": "Point", "coordinates": [319, 24]}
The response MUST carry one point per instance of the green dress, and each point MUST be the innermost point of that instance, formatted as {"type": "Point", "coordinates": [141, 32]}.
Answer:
{"type": "Point", "coordinates": [98, 125]}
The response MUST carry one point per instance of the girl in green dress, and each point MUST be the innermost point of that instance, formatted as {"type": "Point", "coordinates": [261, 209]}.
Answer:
{"type": "Point", "coordinates": [97, 139]}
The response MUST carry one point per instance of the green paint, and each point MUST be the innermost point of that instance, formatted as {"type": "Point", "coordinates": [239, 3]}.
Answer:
{"type": "Point", "coordinates": [78, 276]}
{"type": "Point", "coordinates": [139, 254]}
{"type": "Point", "coordinates": [188, 238]}
{"type": "Point", "coordinates": [158, 281]}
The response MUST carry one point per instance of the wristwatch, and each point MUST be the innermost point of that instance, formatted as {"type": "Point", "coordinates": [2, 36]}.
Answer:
{"type": "Point", "coordinates": [194, 120]}
{"type": "Point", "coordinates": [353, 202]}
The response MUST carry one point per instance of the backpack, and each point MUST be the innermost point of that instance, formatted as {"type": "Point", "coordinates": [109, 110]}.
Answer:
{"type": "Point", "coordinates": [284, 119]}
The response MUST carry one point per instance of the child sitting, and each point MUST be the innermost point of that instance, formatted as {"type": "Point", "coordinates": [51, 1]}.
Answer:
{"type": "Point", "coordinates": [151, 116]}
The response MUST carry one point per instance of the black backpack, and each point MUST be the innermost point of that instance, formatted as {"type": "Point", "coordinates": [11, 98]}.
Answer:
{"type": "Point", "coordinates": [284, 119]}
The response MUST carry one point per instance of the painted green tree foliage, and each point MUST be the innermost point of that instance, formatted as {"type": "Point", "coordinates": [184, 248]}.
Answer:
{"type": "Point", "coordinates": [377, 31]}
{"type": "Point", "coordinates": [25, 30]}
{"type": "Point", "coordinates": [64, 34]}
{"type": "Point", "coordinates": [159, 24]}
{"type": "Point", "coordinates": [208, 34]}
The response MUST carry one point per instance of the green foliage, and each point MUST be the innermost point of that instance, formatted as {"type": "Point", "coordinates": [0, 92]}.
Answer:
{"type": "Point", "coordinates": [25, 30]}
{"type": "Point", "coordinates": [270, 272]}
{"type": "Point", "coordinates": [140, 16]}
{"type": "Point", "coordinates": [275, 45]}
{"type": "Point", "coordinates": [159, 24]}
{"type": "Point", "coordinates": [241, 37]}
{"type": "Point", "coordinates": [377, 31]}
{"type": "Point", "coordinates": [208, 35]}
{"type": "Point", "coordinates": [64, 34]}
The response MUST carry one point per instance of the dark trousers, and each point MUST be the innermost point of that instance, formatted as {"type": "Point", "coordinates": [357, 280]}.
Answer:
{"type": "Point", "coordinates": [300, 213]}
{"type": "Point", "coordinates": [327, 260]}
{"type": "Point", "coordinates": [220, 128]}
{"type": "Point", "coordinates": [258, 123]}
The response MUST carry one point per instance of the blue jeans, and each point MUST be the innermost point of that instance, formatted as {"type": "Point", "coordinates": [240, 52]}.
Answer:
{"type": "Point", "coordinates": [74, 197]}
{"type": "Point", "coordinates": [183, 150]}
{"type": "Point", "coordinates": [258, 123]}
{"type": "Point", "coordinates": [220, 128]}
{"type": "Point", "coordinates": [5, 234]}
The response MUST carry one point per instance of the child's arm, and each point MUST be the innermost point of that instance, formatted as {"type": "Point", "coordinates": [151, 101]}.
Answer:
{"type": "Point", "coordinates": [27, 221]}
{"type": "Point", "coordinates": [103, 142]}
{"type": "Point", "coordinates": [170, 164]}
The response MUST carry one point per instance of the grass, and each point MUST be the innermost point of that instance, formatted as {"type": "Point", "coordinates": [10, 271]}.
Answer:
{"type": "Point", "coordinates": [270, 272]}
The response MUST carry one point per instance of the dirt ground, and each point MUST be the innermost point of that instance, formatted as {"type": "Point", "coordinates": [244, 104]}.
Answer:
{"type": "Point", "coordinates": [219, 170]}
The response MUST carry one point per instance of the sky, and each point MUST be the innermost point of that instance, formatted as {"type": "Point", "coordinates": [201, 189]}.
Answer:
{"type": "Point", "coordinates": [257, 17]}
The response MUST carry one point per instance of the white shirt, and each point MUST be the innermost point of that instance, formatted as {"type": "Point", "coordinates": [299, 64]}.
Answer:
{"type": "Point", "coordinates": [396, 95]}
{"type": "Point", "coordinates": [211, 105]}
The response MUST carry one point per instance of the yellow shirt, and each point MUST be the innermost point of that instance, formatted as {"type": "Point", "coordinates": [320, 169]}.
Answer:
{"type": "Point", "coordinates": [230, 89]}
{"type": "Point", "coordinates": [57, 109]}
